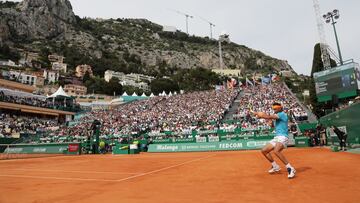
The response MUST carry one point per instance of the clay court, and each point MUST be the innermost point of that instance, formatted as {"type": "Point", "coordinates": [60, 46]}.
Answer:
{"type": "Point", "coordinates": [238, 176]}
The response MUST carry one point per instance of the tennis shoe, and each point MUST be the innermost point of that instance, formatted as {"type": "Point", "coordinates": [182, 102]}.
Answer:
{"type": "Point", "coordinates": [274, 169]}
{"type": "Point", "coordinates": [291, 172]}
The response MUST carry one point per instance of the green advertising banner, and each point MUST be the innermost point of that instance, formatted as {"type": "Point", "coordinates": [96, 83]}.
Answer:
{"type": "Point", "coordinates": [210, 146]}
{"type": "Point", "coordinates": [162, 141]}
{"type": "Point", "coordinates": [44, 148]}
{"type": "Point", "coordinates": [347, 120]}
{"type": "Point", "coordinates": [184, 140]}
{"type": "Point", "coordinates": [214, 139]}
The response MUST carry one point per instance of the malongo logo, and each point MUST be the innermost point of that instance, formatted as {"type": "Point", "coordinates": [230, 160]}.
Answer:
{"type": "Point", "coordinates": [167, 147]}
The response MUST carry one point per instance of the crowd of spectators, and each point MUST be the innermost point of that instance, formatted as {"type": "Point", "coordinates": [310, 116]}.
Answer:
{"type": "Point", "coordinates": [24, 99]}
{"type": "Point", "coordinates": [261, 98]}
{"type": "Point", "coordinates": [178, 113]}
{"type": "Point", "coordinates": [18, 97]}
{"type": "Point", "coordinates": [347, 102]}
{"type": "Point", "coordinates": [12, 125]}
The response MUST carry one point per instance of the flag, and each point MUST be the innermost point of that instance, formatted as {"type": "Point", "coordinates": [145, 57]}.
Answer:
{"type": "Point", "coordinates": [231, 83]}
{"type": "Point", "coordinates": [265, 80]}
{"type": "Point", "coordinates": [275, 77]}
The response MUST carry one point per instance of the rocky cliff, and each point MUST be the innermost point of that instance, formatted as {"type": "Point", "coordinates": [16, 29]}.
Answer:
{"type": "Point", "coordinates": [129, 45]}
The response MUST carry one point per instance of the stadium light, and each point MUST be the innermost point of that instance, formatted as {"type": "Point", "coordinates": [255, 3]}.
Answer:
{"type": "Point", "coordinates": [331, 17]}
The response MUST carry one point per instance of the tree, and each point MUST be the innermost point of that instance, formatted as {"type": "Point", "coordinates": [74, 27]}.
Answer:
{"type": "Point", "coordinates": [43, 57]}
{"type": "Point", "coordinates": [86, 77]}
{"type": "Point", "coordinates": [8, 4]}
{"type": "Point", "coordinates": [196, 79]}
{"type": "Point", "coordinates": [74, 56]}
{"type": "Point", "coordinates": [317, 66]}
{"type": "Point", "coordinates": [132, 89]}
{"type": "Point", "coordinates": [100, 86]}
{"type": "Point", "coordinates": [113, 87]}
{"type": "Point", "coordinates": [7, 53]}
{"type": "Point", "coordinates": [163, 84]}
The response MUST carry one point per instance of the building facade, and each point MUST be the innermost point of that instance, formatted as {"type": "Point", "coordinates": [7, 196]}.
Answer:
{"type": "Point", "coordinates": [110, 74]}
{"type": "Point", "coordinates": [82, 69]}
{"type": "Point", "coordinates": [56, 58]}
{"type": "Point", "coordinates": [51, 76]}
{"type": "Point", "coordinates": [75, 90]}
{"type": "Point", "coordinates": [136, 80]}
{"type": "Point", "coordinates": [57, 66]}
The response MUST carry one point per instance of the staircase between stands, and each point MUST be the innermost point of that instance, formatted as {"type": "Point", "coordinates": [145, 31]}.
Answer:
{"type": "Point", "coordinates": [233, 109]}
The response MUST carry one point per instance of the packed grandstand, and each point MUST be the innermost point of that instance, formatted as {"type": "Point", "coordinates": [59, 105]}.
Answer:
{"type": "Point", "coordinates": [180, 114]}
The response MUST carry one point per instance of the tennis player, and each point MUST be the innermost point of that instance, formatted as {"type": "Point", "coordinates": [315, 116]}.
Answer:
{"type": "Point", "coordinates": [280, 140]}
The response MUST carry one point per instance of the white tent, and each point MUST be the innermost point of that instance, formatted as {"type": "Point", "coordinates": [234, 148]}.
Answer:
{"type": "Point", "coordinates": [152, 95]}
{"type": "Point", "coordinates": [134, 94]}
{"type": "Point", "coordinates": [163, 93]}
{"type": "Point", "coordinates": [125, 94]}
{"type": "Point", "coordinates": [59, 92]}
{"type": "Point", "coordinates": [175, 93]}
{"type": "Point", "coordinates": [170, 94]}
{"type": "Point", "coordinates": [143, 95]}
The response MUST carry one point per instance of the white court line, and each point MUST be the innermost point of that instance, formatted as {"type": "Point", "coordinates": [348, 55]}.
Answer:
{"type": "Point", "coordinates": [56, 178]}
{"type": "Point", "coordinates": [163, 169]}
{"type": "Point", "coordinates": [66, 171]}
{"type": "Point", "coordinates": [107, 180]}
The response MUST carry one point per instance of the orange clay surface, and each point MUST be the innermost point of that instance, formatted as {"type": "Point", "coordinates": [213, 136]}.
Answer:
{"type": "Point", "coordinates": [238, 176]}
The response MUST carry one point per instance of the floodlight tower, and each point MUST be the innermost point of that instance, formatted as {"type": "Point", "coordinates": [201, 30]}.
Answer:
{"type": "Point", "coordinates": [323, 45]}
{"type": "Point", "coordinates": [187, 16]}
{"type": "Point", "coordinates": [210, 23]}
{"type": "Point", "coordinates": [331, 17]}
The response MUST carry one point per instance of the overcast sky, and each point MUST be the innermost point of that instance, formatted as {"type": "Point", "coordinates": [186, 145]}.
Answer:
{"type": "Point", "coordinates": [285, 29]}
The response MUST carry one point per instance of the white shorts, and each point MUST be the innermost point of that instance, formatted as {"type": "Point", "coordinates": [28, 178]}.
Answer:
{"type": "Point", "coordinates": [280, 139]}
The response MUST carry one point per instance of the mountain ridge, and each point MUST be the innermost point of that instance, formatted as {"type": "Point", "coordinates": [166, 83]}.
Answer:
{"type": "Point", "coordinates": [126, 45]}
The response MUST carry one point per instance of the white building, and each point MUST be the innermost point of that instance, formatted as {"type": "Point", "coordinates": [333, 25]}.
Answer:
{"type": "Point", "coordinates": [140, 85]}
{"type": "Point", "coordinates": [167, 28]}
{"type": "Point", "coordinates": [9, 63]}
{"type": "Point", "coordinates": [59, 66]}
{"type": "Point", "coordinates": [133, 79]}
{"type": "Point", "coordinates": [139, 77]}
{"type": "Point", "coordinates": [51, 76]}
{"type": "Point", "coordinates": [109, 74]}
{"type": "Point", "coordinates": [24, 78]}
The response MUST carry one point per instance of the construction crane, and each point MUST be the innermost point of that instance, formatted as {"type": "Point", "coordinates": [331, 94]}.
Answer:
{"type": "Point", "coordinates": [187, 16]}
{"type": "Point", "coordinates": [210, 23]}
{"type": "Point", "coordinates": [323, 45]}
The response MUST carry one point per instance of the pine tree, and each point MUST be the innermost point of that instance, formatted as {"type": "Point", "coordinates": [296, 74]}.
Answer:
{"type": "Point", "coordinates": [317, 66]}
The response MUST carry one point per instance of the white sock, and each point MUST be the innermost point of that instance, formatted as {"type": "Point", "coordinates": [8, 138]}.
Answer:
{"type": "Point", "coordinates": [288, 165]}
{"type": "Point", "coordinates": [274, 164]}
